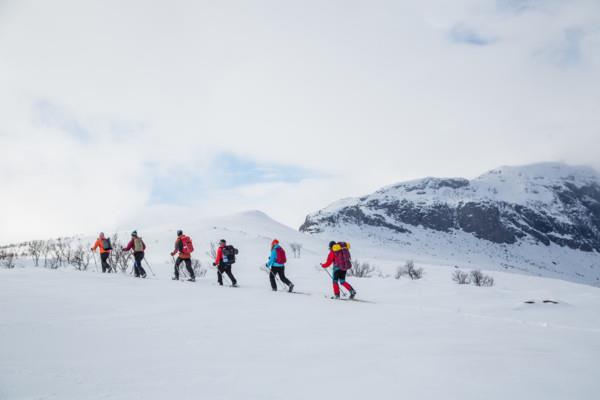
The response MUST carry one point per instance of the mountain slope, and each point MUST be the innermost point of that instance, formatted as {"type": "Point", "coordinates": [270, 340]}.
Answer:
{"type": "Point", "coordinates": [541, 214]}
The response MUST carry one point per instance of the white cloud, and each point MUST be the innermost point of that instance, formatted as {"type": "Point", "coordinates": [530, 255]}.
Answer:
{"type": "Point", "coordinates": [366, 93]}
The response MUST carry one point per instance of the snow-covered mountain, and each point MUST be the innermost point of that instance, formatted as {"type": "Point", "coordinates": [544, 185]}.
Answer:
{"type": "Point", "coordinates": [542, 218]}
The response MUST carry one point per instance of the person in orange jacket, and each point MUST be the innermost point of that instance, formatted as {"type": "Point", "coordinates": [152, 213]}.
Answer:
{"type": "Point", "coordinates": [103, 243]}
{"type": "Point", "coordinates": [183, 246]}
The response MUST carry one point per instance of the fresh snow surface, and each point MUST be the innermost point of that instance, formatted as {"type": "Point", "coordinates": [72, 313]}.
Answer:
{"type": "Point", "coordinates": [84, 335]}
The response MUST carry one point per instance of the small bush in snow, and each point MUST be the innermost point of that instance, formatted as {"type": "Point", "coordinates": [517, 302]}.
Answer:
{"type": "Point", "coordinates": [35, 250]}
{"type": "Point", "coordinates": [7, 259]}
{"type": "Point", "coordinates": [120, 260]}
{"type": "Point", "coordinates": [80, 258]}
{"type": "Point", "coordinates": [409, 270]}
{"type": "Point", "coordinates": [361, 270]}
{"type": "Point", "coordinates": [296, 249]}
{"type": "Point", "coordinates": [212, 251]}
{"type": "Point", "coordinates": [478, 278]}
{"type": "Point", "coordinates": [199, 269]}
{"type": "Point", "coordinates": [461, 277]}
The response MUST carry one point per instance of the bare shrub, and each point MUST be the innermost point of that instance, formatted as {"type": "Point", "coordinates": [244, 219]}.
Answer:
{"type": "Point", "coordinates": [296, 249]}
{"type": "Point", "coordinates": [7, 259]}
{"type": "Point", "coordinates": [35, 249]}
{"type": "Point", "coordinates": [361, 269]}
{"type": "Point", "coordinates": [478, 278]}
{"type": "Point", "coordinates": [212, 251]}
{"type": "Point", "coordinates": [409, 270]}
{"type": "Point", "coordinates": [461, 277]}
{"type": "Point", "coordinates": [119, 259]}
{"type": "Point", "coordinates": [80, 258]}
{"type": "Point", "coordinates": [199, 269]}
{"type": "Point", "coordinates": [63, 251]}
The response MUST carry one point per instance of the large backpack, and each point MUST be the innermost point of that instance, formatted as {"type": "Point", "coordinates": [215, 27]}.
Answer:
{"type": "Point", "coordinates": [341, 253]}
{"type": "Point", "coordinates": [228, 254]}
{"type": "Point", "coordinates": [185, 245]}
{"type": "Point", "coordinates": [106, 246]}
{"type": "Point", "coordinates": [138, 244]}
{"type": "Point", "coordinates": [280, 257]}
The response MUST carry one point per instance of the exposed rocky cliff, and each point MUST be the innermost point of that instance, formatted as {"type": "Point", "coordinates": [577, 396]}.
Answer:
{"type": "Point", "coordinates": [541, 203]}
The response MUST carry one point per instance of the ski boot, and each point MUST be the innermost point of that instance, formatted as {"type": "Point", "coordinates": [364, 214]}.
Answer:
{"type": "Point", "coordinates": [352, 293]}
{"type": "Point", "coordinates": [291, 288]}
{"type": "Point", "coordinates": [192, 279]}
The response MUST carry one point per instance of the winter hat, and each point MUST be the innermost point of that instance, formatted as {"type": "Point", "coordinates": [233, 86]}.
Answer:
{"type": "Point", "coordinates": [222, 241]}
{"type": "Point", "coordinates": [134, 233]}
{"type": "Point", "coordinates": [101, 235]}
{"type": "Point", "coordinates": [179, 232]}
{"type": "Point", "coordinates": [274, 242]}
{"type": "Point", "coordinates": [331, 244]}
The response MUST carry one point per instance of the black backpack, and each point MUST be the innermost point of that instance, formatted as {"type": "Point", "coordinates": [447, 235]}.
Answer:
{"type": "Point", "coordinates": [229, 253]}
{"type": "Point", "coordinates": [106, 244]}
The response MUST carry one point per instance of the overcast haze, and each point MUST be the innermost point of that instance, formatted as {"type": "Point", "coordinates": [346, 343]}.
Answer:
{"type": "Point", "coordinates": [125, 114]}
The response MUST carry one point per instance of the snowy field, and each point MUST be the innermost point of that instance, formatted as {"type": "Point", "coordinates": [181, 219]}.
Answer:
{"type": "Point", "coordinates": [66, 334]}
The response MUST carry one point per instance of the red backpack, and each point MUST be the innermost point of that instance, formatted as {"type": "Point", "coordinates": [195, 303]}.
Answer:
{"type": "Point", "coordinates": [187, 246]}
{"type": "Point", "coordinates": [280, 258]}
{"type": "Point", "coordinates": [341, 254]}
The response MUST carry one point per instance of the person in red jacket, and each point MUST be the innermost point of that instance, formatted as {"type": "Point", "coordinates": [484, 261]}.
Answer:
{"type": "Point", "coordinates": [339, 274]}
{"type": "Point", "coordinates": [139, 247]}
{"type": "Point", "coordinates": [223, 261]}
{"type": "Point", "coordinates": [185, 255]}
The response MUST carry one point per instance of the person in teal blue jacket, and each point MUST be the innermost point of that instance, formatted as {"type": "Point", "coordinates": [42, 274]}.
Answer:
{"type": "Point", "coordinates": [276, 265]}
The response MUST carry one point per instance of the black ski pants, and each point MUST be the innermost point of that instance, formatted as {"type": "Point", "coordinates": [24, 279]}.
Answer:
{"type": "Point", "coordinates": [104, 261]}
{"type": "Point", "coordinates": [225, 268]}
{"type": "Point", "coordinates": [278, 271]}
{"type": "Point", "coordinates": [188, 266]}
{"type": "Point", "coordinates": [138, 270]}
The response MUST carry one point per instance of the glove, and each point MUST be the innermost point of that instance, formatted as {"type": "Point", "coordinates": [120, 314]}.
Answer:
{"type": "Point", "coordinates": [214, 264]}
{"type": "Point", "coordinates": [172, 253]}
{"type": "Point", "coordinates": [91, 249]}
{"type": "Point", "coordinates": [322, 266]}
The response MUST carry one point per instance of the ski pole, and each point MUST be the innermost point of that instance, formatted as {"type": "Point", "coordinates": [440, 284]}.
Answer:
{"type": "Point", "coordinates": [95, 263]}
{"type": "Point", "coordinates": [331, 276]}
{"type": "Point", "coordinates": [179, 268]}
{"type": "Point", "coordinates": [277, 279]}
{"type": "Point", "coordinates": [148, 264]}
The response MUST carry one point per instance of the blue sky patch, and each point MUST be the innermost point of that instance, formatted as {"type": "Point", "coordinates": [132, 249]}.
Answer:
{"type": "Point", "coordinates": [185, 185]}
{"type": "Point", "coordinates": [46, 114]}
{"type": "Point", "coordinates": [465, 35]}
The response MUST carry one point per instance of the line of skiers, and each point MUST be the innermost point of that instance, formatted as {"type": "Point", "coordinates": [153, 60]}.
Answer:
{"type": "Point", "coordinates": [225, 257]}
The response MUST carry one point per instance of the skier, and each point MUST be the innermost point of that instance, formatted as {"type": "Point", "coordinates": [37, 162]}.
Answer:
{"type": "Point", "coordinates": [183, 246]}
{"type": "Point", "coordinates": [139, 247]}
{"type": "Point", "coordinates": [276, 264]}
{"type": "Point", "coordinates": [225, 258]}
{"type": "Point", "coordinates": [339, 256]}
{"type": "Point", "coordinates": [103, 243]}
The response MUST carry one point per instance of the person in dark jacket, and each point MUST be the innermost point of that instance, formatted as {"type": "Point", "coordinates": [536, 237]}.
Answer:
{"type": "Point", "coordinates": [139, 247]}
{"type": "Point", "coordinates": [223, 263]}
{"type": "Point", "coordinates": [276, 265]}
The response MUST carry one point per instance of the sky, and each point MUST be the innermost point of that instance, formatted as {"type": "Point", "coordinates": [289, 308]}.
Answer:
{"type": "Point", "coordinates": [118, 115]}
